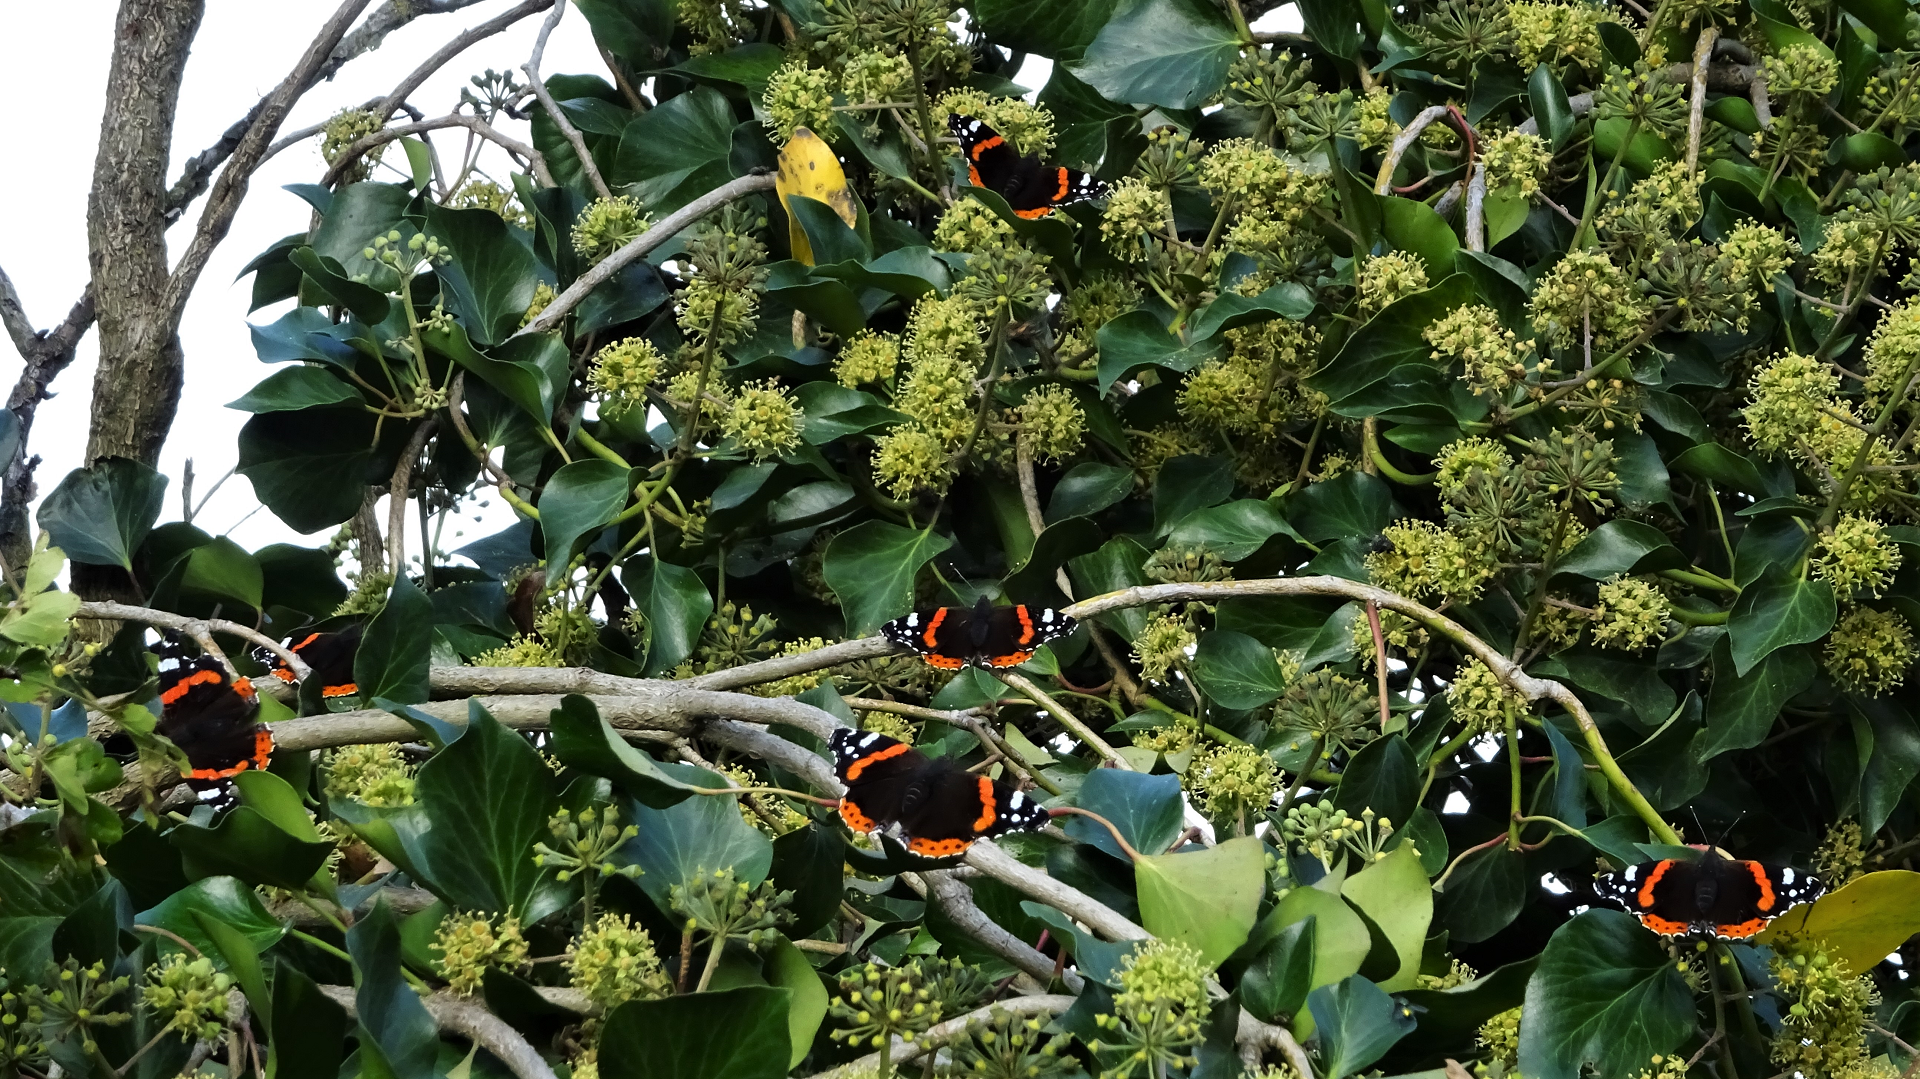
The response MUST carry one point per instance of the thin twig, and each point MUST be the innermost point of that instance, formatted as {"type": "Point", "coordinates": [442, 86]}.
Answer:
{"type": "Point", "coordinates": [666, 229]}
{"type": "Point", "coordinates": [453, 48]}
{"type": "Point", "coordinates": [1066, 719]}
{"type": "Point", "coordinates": [361, 146]}
{"type": "Point", "coordinates": [1383, 180]}
{"type": "Point", "coordinates": [123, 612]}
{"type": "Point", "coordinates": [574, 138]}
{"type": "Point", "coordinates": [1380, 663]}
{"type": "Point", "coordinates": [473, 1021]}
{"type": "Point", "coordinates": [397, 499]}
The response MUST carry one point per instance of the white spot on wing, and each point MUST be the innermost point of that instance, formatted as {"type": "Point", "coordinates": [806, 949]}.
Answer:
{"type": "Point", "coordinates": [1786, 876]}
{"type": "Point", "coordinates": [869, 739]}
{"type": "Point", "coordinates": [1018, 800]}
{"type": "Point", "coordinates": [1632, 873]}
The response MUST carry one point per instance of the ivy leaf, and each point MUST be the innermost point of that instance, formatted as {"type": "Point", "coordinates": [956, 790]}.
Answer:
{"type": "Point", "coordinates": [871, 568]}
{"type": "Point", "coordinates": [1208, 899]}
{"type": "Point", "coordinates": [1145, 808]}
{"type": "Point", "coordinates": [1171, 53]}
{"type": "Point", "coordinates": [99, 515]}
{"type": "Point", "coordinates": [580, 499]}
{"type": "Point", "coordinates": [1358, 1023]}
{"type": "Point", "coordinates": [394, 656]}
{"type": "Point", "coordinates": [1776, 610]}
{"type": "Point", "coordinates": [700, 835]}
{"type": "Point", "coordinates": [1235, 671]}
{"type": "Point", "coordinates": [487, 797]}
{"type": "Point", "coordinates": [1605, 995]}
{"type": "Point", "coordinates": [1394, 892]}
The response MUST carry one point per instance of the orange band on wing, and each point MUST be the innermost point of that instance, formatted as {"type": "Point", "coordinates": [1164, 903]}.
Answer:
{"type": "Point", "coordinates": [855, 819]}
{"type": "Point", "coordinates": [1034, 214]}
{"type": "Point", "coordinates": [938, 848]}
{"type": "Point", "coordinates": [1026, 624]}
{"type": "Point", "coordinates": [1666, 927]}
{"type": "Point", "coordinates": [1653, 878]}
{"type": "Point", "coordinates": [931, 634]}
{"type": "Point", "coordinates": [894, 750]}
{"type": "Point", "coordinates": [1744, 929]}
{"type": "Point", "coordinates": [989, 810]}
{"type": "Point", "coordinates": [185, 685]}
{"type": "Point", "coordinates": [262, 756]}
{"type": "Point", "coordinates": [984, 145]}
{"type": "Point", "coordinates": [1010, 660]}
{"type": "Point", "coordinates": [1766, 886]}
{"type": "Point", "coordinates": [311, 637]}
{"type": "Point", "coordinates": [347, 690]}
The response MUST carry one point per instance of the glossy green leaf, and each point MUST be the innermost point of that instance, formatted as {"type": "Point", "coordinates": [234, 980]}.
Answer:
{"type": "Point", "coordinates": [1147, 810]}
{"type": "Point", "coordinates": [701, 834]}
{"type": "Point", "coordinates": [1233, 531]}
{"type": "Point", "coordinates": [487, 798]}
{"type": "Point", "coordinates": [224, 571]}
{"type": "Point", "coordinates": [1172, 53]}
{"type": "Point", "coordinates": [742, 1033]}
{"type": "Point", "coordinates": [526, 370]}
{"type": "Point", "coordinates": [1140, 339]}
{"type": "Point", "coordinates": [1413, 226]}
{"type": "Point", "coordinates": [259, 842]}
{"type": "Point", "coordinates": [1088, 488]}
{"type": "Point", "coordinates": [293, 388]}
{"type": "Point", "coordinates": [1232, 310]}
{"type": "Point", "coordinates": [1351, 504]}
{"type": "Point", "coordinates": [1056, 32]}
{"type": "Point", "coordinates": [1340, 937]}
{"type": "Point", "coordinates": [368, 304]}
{"type": "Point", "coordinates": [1208, 899]}
{"type": "Point", "coordinates": [1394, 893]}
{"type": "Point", "coordinates": [1391, 338]}
{"type": "Point", "coordinates": [1235, 671]}
{"type": "Point", "coordinates": [396, 1033]}
{"type": "Point", "coordinates": [677, 150]}
{"type": "Point", "coordinates": [99, 515]}
{"type": "Point", "coordinates": [1358, 1023]}
{"type": "Point", "coordinates": [581, 498]}
{"type": "Point", "coordinates": [807, 997]}
{"type": "Point", "coordinates": [676, 604]}
{"type": "Point", "coordinates": [1550, 109]}
{"type": "Point", "coordinates": [583, 739]}
{"type": "Point", "coordinates": [307, 1030]}
{"type": "Point", "coordinates": [1620, 547]}
{"type": "Point", "coordinates": [1188, 483]}
{"type": "Point", "coordinates": [871, 568]}
{"type": "Point", "coordinates": [1276, 982]}
{"type": "Point", "coordinates": [395, 652]}
{"type": "Point", "coordinates": [1776, 610]}
{"type": "Point", "coordinates": [490, 280]}
{"type": "Point", "coordinates": [1605, 995]}
{"type": "Point", "coordinates": [222, 899]}
{"type": "Point", "coordinates": [810, 863]}
{"type": "Point", "coordinates": [1383, 776]}
{"type": "Point", "coordinates": [1333, 25]}
{"type": "Point", "coordinates": [1742, 708]}
{"type": "Point", "coordinates": [1484, 894]}
{"type": "Point", "coordinates": [311, 467]}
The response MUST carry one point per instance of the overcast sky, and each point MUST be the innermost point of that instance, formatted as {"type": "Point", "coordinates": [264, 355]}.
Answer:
{"type": "Point", "coordinates": [56, 56]}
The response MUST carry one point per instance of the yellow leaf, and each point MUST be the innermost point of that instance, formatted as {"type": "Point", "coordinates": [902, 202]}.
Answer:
{"type": "Point", "coordinates": [1861, 922]}
{"type": "Point", "coordinates": [808, 168]}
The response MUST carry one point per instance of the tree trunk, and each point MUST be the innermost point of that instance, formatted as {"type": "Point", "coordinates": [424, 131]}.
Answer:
{"type": "Point", "coordinates": [137, 387]}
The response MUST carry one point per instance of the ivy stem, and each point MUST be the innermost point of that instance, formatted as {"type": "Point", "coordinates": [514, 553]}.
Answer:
{"type": "Point", "coordinates": [598, 449]}
{"type": "Point", "coordinates": [1065, 718]}
{"type": "Point", "coordinates": [1594, 196]}
{"type": "Point", "coordinates": [1380, 663]}
{"type": "Point", "coordinates": [1132, 855]}
{"type": "Point", "coordinates": [1300, 777]}
{"type": "Point", "coordinates": [1513, 779]}
{"type": "Point", "coordinates": [1894, 400]}
{"type": "Point", "coordinates": [713, 962]}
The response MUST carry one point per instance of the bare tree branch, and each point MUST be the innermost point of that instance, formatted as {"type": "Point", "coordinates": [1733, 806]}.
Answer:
{"type": "Point", "coordinates": [1697, 104]}
{"type": "Point", "coordinates": [453, 48]}
{"type": "Point", "coordinates": [475, 124]}
{"type": "Point", "coordinates": [955, 898]}
{"type": "Point", "coordinates": [122, 612]}
{"type": "Point", "coordinates": [26, 339]}
{"type": "Point", "coordinates": [471, 1020]}
{"type": "Point", "coordinates": [397, 498]}
{"type": "Point", "coordinates": [43, 356]}
{"type": "Point", "coordinates": [666, 229]}
{"type": "Point", "coordinates": [574, 138]}
{"type": "Point", "coordinates": [231, 187]}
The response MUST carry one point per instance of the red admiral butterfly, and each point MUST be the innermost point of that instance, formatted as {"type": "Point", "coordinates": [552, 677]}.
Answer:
{"type": "Point", "coordinates": [940, 806]}
{"type": "Point", "coordinates": [1726, 898]}
{"type": "Point", "coordinates": [211, 716]}
{"type": "Point", "coordinates": [329, 655]}
{"type": "Point", "coordinates": [1031, 187]}
{"type": "Point", "coordinates": [983, 635]}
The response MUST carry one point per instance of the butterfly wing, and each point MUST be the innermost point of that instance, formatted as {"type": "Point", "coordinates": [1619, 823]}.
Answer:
{"type": "Point", "coordinates": [331, 655]}
{"type": "Point", "coordinates": [211, 717]}
{"type": "Point", "coordinates": [956, 807]}
{"type": "Point", "coordinates": [992, 162]}
{"type": "Point", "coordinates": [1047, 186]}
{"type": "Point", "coordinates": [879, 773]}
{"type": "Point", "coordinates": [1016, 632]}
{"type": "Point", "coordinates": [939, 636]}
{"type": "Point", "coordinates": [1749, 895]}
{"type": "Point", "coordinates": [1661, 894]}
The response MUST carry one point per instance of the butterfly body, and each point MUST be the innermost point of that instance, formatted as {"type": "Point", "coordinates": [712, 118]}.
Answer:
{"type": "Point", "coordinates": [329, 656]}
{"type": "Point", "coordinates": [983, 635]}
{"type": "Point", "coordinates": [1031, 187]}
{"type": "Point", "coordinates": [212, 716]}
{"type": "Point", "coordinates": [1718, 897]}
{"type": "Point", "coordinates": [941, 807]}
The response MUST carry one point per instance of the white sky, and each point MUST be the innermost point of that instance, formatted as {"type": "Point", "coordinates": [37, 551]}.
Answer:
{"type": "Point", "coordinates": [244, 48]}
{"type": "Point", "coordinates": [56, 57]}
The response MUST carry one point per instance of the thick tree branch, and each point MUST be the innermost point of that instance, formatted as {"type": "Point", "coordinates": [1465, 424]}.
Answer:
{"type": "Point", "coordinates": [666, 229]}
{"type": "Point", "coordinates": [397, 494]}
{"type": "Point", "coordinates": [559, 118]}
{"type": "Point", "coordinates": [955, 898]}
{"type": "Point", "coordinates": [471, 1020]}
{"type": "Point", "coordinates": [44, 356]}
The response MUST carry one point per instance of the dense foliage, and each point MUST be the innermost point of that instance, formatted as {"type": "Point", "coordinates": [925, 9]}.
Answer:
{"type": "Point", "coordinates": [1489, 428]}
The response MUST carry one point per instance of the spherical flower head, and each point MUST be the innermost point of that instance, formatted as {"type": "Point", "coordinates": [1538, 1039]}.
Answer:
{"type": "Point", "coordinates": [1157, 446]}
{"type": "Point", "coordinates": [1423, 559]}
{"type": "Point", "coordinates": [938, 393]}
{"type": "Point", "coordinates": [1500, 1036]}
{"type": "Point", "coordinates": [1857, 555]}
{"type": "Point", "coordinates": [1163, 642]}
{"type": "Point", "coordinates": [1221, 394]}
{"type": "Point", "coordinates": [1052, 426]}
{"type": "Point", "coordinates": [1842, 854]}
{"type": "Point", "coordinates": [543, 295]}
{"type": "Point", "coordinates": [612, 961]}
{"type": "Point", "coordinates": [1481, 701]}
{"type": "Point", "coordinates": [764, 421]}
{"type": "Point", "coordinates": [621, 372]}
{"type": "Point", "coordinates": [1869, 651]}
{"type": "Point", "coordinates": [1632, 614]}
{"type": "Point", "coordinates": [345, 128]}
{"type": "Point", "coordinates": [1663, 204]}
{"type": "Point", "coordinates": [1134, 210]}
{"type": "Point", "coordinates": [1586, 288]}
{"type": "Point", "coordinates": [1328, 706]}
{"type": "Point", "coordinates": [1233, 780]}
{"type": "Point", "coordinates": [376, 775]}
{"type": "Point", "coordinates": [1558, 34]}
{"type": "Point", "coordinates": [1827, 1011]}
{"type": "Point", "coordinates": [1757, 254]}
{"type": "Point", "coordinates": [1383, 279]}
{"type": "Point", "coordinates": [870, 77]}
{"type": "Point", "coordinates": [1183, 732]}
{"type": "Point", "coordinates": [1803, 71]}
{"type": "Point", "coordinates": [1027, 127]}
{"type": "Point", "coordinates": [607, 225]}
{"type": "Point", "coordinates": [1164, 971]}
{"type": "Point", "coordinates": [1516, 161]}
{"type": "Point", "coordinates": [1788, 396]}
{"type": "Point", "coordinates": [189, 995]}
{"type": "Point", "coordinates": [1373, 119]}
{"type": "Point", "coordinates": [470, 943]}
{"type": "Point", "coordinates": [909, 458]}
{"type": "Point", "coordinates": [1850, 246]}
{"type": "Point", "coordinates": [1247, 171]}
{"type": "Point", "coordinates": [1099, 299]}
{"type": "Point", "coordinates": [946, 328]}
{"type": "Point", "coordinates": [969, 226]}
{"type": "Point", "coordinates": [799, 96]}
{"type": "Point", "coordinates": [480, 193]}
{"type": "Point", "coordinates": [1458, 461]}
{"type": "Point", "coordinates": [709, 306]}
{"type": "Point", "coordinates": [1005, 280]}
{"type": "Point", "coordinates": [1492, 358]}
{"type": "Point", "coordinates": [1183, 564]}
{"type": "Point", "coordinates": [868, 358]}
{"type": "Point", "coordinates": [890, 725]}
{"type": "Point", "coordinates": [1893, 353]}
{"type": "Point", "coordinates": [521, 651]}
